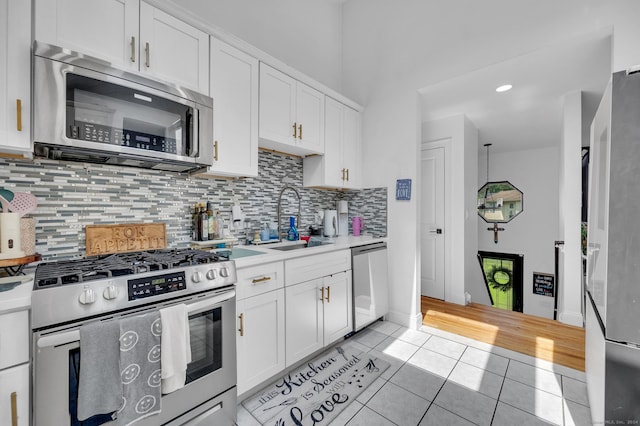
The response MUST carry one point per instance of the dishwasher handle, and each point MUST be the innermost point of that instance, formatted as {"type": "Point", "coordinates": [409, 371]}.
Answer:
{"type": "Point", "coordinates": [368, 248]}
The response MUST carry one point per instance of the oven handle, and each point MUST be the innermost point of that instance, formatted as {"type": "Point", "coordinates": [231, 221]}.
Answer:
{"type": "Point", "coordinates": [74, 336]}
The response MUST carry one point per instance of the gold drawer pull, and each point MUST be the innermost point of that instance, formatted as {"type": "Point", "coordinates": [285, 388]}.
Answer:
{"type": "Point", "coordinates": [328, 294]}
{"type": "Point", "coordinates": [300, 132]}
{"type": "Point", "coordinates": [322, 295]}
{"type": "Point", "coordinates": [14, 409]}
{"type": "Point", "coordinates": [215, 150]}
{"type": "Point", "coordinates": [295, 130]}
{"type": "Point", "coordinates": [260, 280]}
{"type": "Point", "coordinates": [146, 54]}
{"type": "Point", "coordinates": [241, 329]}
{"type": "Point", "coordinates": [19, 114]}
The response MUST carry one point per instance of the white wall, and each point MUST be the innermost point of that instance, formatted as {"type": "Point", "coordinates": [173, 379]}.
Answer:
{"type": "Point", "coordinates": [392, 49]}
{"type": "Point", "coordinates": [570, 283]}
{"type": "Point", "coordinates": [461, 225]}
{"type": "Point", "coordinates": [533, 232]}
{"type": "Point", "coordinates": [304, 34]}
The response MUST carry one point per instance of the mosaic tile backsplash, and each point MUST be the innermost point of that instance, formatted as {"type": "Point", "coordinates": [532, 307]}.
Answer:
{"type": "Point", "coordinates": [73, 195]}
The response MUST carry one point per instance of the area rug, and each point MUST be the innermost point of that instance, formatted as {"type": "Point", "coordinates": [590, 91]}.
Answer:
{"type": "Point", "coordinates": [316, 392]}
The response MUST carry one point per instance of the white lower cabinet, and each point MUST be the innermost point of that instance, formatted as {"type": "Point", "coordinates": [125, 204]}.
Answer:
{"type": "Point", "coordinates": [14, 396]}
{"type": "Point", "coordinates": [318, 313]}
{"type": "Point", "coordinates": [260, 336]}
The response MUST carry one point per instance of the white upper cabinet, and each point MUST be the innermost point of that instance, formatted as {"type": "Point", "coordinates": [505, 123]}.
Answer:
{"type": "Point", "coordinates": [234, 89]}
{"type": "Point", "coordinates": [291, 114]}
{"type": "Point", "coordinates": [173, 50]}
{"type": "Point", "coordinates": [129, 34]}
{"type": "Point", "coordinates": [339, 166]}
{"type": "Point", "coordinates": [106, 29]}
{"type": "Point", "coordinates": [15, 85]}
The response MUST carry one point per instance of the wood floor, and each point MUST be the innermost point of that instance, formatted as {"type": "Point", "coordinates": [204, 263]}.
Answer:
{"type": "Point", "coordinates": [539, 337]}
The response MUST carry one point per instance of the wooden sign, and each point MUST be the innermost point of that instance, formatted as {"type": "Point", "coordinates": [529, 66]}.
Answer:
{"type": "Point", "coordinates": [543, 284]}
{"type": "Point", "coordinates": [107, 239]}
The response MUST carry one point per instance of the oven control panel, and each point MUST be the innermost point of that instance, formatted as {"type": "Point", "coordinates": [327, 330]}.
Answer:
{"type": "Point", "coordinates": [140, 288]}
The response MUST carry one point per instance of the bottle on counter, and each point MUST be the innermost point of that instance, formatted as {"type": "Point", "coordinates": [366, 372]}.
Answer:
{"type": "Point", "coordinates": [210, 221]}
{"type": "Point", "coordinates": [203, 227]}
{"type": "Point", "coordinates": [218, 226]}
{"type": "Point", "coordinates": [195, 218]}
{"type": "Point", "coordinates": [292, 234]}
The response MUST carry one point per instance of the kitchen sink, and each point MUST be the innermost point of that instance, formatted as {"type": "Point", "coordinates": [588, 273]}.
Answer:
{"type": "Point", "coordinates": [296, 246]}
{"type": "Point", "coordinates": [289, 247]}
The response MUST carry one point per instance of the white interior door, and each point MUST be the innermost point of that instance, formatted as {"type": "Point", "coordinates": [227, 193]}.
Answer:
{"type": "Point", "coordinates": [432, 222]}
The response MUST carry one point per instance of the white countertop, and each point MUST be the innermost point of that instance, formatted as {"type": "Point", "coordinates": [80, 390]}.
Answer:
{"type": "Point", "coordinates": [271, 255]}
{"type": "Point", "coordinates": [19, 297]}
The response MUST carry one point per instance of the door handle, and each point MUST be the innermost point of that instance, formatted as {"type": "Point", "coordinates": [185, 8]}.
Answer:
{"type": "Point", "coordinates": [133, 49]}
{"type": "Point", "coordinates": [146, 54]}
{"type": "Point", "coordinates": [241, 329]}
{"type": "Point", "coordinates": [436, 231]}
{"type": "Point", "coordinates": [14, 409]}
{"type": "Point", "coordinates": [329, 294]}
{"type": "Point", "coordinates": [322, 295]}
{"type": "Point", "coordinates": [19, 115]}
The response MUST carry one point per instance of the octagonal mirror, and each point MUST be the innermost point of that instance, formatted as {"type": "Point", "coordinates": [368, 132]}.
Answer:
{"type": "Point", "coordinates": [499, 202]}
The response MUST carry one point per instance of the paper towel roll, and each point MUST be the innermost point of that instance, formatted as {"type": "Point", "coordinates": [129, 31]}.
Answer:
{"type": "Point", "coordinates": [10, 243]}
{"type": "Point", "coordinates": [28, 235]}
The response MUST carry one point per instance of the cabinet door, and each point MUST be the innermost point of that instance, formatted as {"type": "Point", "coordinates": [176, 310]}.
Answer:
{"type": "Point", "coordinates": [334, 172]}
{"type": "Point", "coordinates": [15, 91]}
{"type": "Point", "coordinates": [304, 320]}
{"type": "Point", "coordinates": [234, 89]}
{"type": "Point", "coordinates": [338, 320]}
{"type": "Point", "coordinates": [261, 343]}
{"type": "Point", "coordinates": [310, 119]}
{"type": "Point", "coordinates": [351, 147]}
{"type": "Point", "coordinates": [106, 29]}
{"type": "Point", "coordinates": [173, 50]}
{"type": "Point", "coordinates": [14, 381]}
{"type": "Point", "coordinates": [277, 107]}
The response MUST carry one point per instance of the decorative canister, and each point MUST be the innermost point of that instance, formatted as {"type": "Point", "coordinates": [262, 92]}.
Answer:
{"type": "Point", "coordinates": [28, 235]}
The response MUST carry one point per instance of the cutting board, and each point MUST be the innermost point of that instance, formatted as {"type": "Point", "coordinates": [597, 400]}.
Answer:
{"type": "Point", "coordinates": [108, 239]}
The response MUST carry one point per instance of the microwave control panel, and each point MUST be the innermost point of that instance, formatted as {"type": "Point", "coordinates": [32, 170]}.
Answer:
{"type": "Point", "coordinates": [130, 138]}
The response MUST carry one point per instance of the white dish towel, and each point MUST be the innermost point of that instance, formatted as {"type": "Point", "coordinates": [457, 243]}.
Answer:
{"type": "Point", "coordinates": [175, 347]}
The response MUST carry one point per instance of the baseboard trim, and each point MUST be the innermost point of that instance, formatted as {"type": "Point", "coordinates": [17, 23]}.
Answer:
{"type": "Point", "coordinates": [571, 318]}
{"type": "Point", "coordinates": [413, 322]}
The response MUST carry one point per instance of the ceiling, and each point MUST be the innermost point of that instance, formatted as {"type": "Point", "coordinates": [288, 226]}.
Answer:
{"type": "Point", "coordinates": [529, 115]}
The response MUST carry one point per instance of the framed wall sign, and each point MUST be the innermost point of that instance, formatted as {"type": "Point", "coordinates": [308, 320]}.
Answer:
{"type": "Point", "coordinates": [403, 189]}
{"type": "Point", "coordinates": [543, 284]}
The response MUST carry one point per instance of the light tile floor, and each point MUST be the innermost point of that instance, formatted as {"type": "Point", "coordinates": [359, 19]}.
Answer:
{"type": "Point", "coordinates": [439, 378]}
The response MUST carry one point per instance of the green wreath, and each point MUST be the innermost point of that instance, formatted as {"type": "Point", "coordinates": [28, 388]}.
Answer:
{"type": "Point", "coordinates": [500, 278]}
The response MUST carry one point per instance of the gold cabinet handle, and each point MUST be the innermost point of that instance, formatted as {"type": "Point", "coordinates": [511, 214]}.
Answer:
{"type": "Point", "coordinates": [347, 175]}
{"type": "Point", "coordinates": [146, 54]}
{"type": "Point", "coordinates": [295, 130]}
{"type": "Point", "coordinates": [343, 173]}
{"type": "Point", "coordinates": [260, 280]}
{"type": "Point", "coordinates": [241, 329]}
{"type": "Point", "coordinates": [215, 150]}
{"type": "Point", "coordinates": [133, 48]}
{"type": "Point", "coordinates": [19, 114]}
{"type": "Point", "coordinates": [14, 409]}
{"type": "Point", "coordinates": [322, 295]}
{"type": "Point", "coordinates": [300, 132]}
{"type": "Point", "coordinates": [329, 294]}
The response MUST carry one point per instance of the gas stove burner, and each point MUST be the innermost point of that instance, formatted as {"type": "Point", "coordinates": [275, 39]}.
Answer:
{"type": "Point", "coordinates": [118, 264]}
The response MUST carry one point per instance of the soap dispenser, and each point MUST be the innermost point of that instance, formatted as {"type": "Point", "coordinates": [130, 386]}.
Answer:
{"type": "Point", "coordinates": [292, 234]}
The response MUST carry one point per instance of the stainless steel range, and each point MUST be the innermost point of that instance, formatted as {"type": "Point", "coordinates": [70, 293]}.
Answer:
{"type": "Point", "coordinates": [69, 294]}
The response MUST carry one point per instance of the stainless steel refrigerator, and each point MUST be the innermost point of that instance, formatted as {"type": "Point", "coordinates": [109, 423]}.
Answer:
{"type": "Point", "coordinates": [613, 255]}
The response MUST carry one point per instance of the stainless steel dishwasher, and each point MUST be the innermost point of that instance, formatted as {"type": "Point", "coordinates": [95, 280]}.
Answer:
{"type": "Point", "coordinates": [370, 284]}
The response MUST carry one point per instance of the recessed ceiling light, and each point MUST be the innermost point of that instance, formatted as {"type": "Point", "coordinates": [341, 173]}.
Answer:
{"type": "Point", "coordinates": [504, 88]}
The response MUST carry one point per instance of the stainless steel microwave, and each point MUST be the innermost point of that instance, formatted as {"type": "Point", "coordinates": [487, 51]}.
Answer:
{"type": "Point", "coordinates": [84, 109]}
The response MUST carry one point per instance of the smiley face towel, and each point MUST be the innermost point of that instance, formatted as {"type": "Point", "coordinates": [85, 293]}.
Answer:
{"type": "Point", "coordinates": [140, 367]}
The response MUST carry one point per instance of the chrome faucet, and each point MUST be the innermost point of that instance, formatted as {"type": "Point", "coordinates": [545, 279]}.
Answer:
{"type": "Point", "coordinates": [279, 204]}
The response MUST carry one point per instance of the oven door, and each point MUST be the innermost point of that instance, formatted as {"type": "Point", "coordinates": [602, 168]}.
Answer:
{"type": "Point", "coordinates": [211, 376]}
